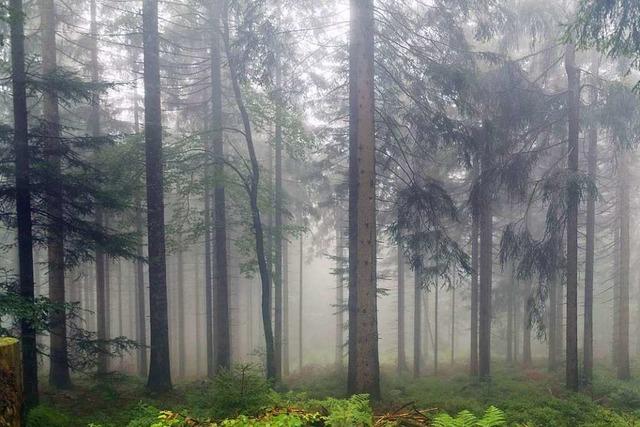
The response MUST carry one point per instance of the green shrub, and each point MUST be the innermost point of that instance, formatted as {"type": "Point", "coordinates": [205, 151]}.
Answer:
{"type": "Point", "coordinates": [44, 416]}
{"type": "Point", "coordinates": [240, 391]}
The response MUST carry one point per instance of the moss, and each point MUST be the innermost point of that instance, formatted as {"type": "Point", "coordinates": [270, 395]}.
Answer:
{"type": "Point", "coordinates": [7, 341]}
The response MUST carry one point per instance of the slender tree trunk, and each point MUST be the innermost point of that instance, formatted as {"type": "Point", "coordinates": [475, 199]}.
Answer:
{"type": "Point", "coordinates": [160, 364]}
{"type": "Point", "coordinates": [592, 166]}
{"type": "Point", "coordinates": [453, 325]}
{"type": "Point", "coordinates": [23, 202]}
{"type": "Point", "coordinates": [252, 186]}
{"type": "Point", "coordinates": [485, 224]}
{"type": "Point", "coordinates": [208, 272]}
{"type": "Point", "coordinates": [401, 363]}
{"type": "Point", "coordinates": [182, 345]}
{"type": "Point", "coordinates": [435, 328]}
{"type": "Point", "coordinates": [285, 308]}
{"type": "Point", "coordinates": [573, 200]}
{"type": "Point", "coordinates": [141, 313]}
{"type": "Point", "coordinates": [59, 368]}
{"type": "Point", "coordinates": [526, 334]}
{"type": "Point", "coordinates": [417, 323]}
{"type": "Point", "coordinates": [364, 365]}
{"type": "Point", "coordinates": [473, 358]}
{"type": "Point", "coordinates": [510, 333]}
{"type": "Point", "coordinates": [222, 331]}
{"type": "Point", "coordinates": [339, 293]}
{"type": "Point", "coordinates": [278, 218]}
{"type": "Point", "coordinates": [300, 305]}
{"type": "Point", "coordinates": [623, 371]}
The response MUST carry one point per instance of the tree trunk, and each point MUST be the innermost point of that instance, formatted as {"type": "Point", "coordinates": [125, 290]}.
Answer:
{"type": "Point", "coordinates": [623, 371]}
{"type": "Point", "coordinates": [182, 345]}
{"type": "Point", "coordinates": [23, 201]}
{"type": "Point", "coordinates": [12, 407]}
{"type": "Point", "coordinates": [592, 170]}
{"type": "Point", "coordinates": [364, 365]}
{"type": "Point", "coordinates": [417, 324]}
{"type": "Point", "coordinates": [339, 293]}
{"type": "Point", "coordinates": [252, 186]}
{"type": "Point", "coordinates": [485, 223]}
{"type": "Point", "coordinates": [453, 325]}
{"type": "Point", "coordinates": [510, 333]}
{"type": "Point", "coordinates": [59, 367]}
{"type": "Point", "coordinates": [300, 305]}
{"type": "Point", "coordinates": [159, 363]}
{"type": "Point", "coordinates": [141, 313]}
{"type": "Point", "coordinates": [401, 363]}
{"type": "Point", "coordinates": [473, 358]}
{"type": "Point", "coordinates": [222, 332]}
{"type": "Point", "coordinates": [285, 308]}
{"type": "Point", "coordinates": [573, 200]}
{"type": "Point", "coordinates": [435, 328]}
{"type": "Point", "coordinates": [526, 334]}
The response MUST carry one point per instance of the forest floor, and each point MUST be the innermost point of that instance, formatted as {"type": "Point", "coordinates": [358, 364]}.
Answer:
{"type": "Point", "coordinates": [528, 397]}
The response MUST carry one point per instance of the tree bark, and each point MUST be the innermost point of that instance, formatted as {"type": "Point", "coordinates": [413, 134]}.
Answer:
{"type": "Point", "coordinates": [12, 407]}
{"type": "Point", "coordinates": [453, 325]}
{"type": "Point", "coordinates": [141, 313]}
{"type": "Point", "coordinates": [417, 324]}
{"type": "Point", "coordinates": [435, 328]}
{"type": "Point", "coordinates": [573, 104]}
{"type": "Point", "coordinates": [485, 223]}
{"type": "Point", "coordinates": [623, 370]}
{"type": "Point", "coordinates": [159, 364]}
{"type": "Point", "coordinates": [182, 345]}
{"type": "Point", "coordinates": [59, 368]}
{"type": "Point", "coordinates": [401, 363]}
{"type": "Point", "coordinates": [339, 293]}
{"type": "Point", "coordinates": [300, 305]}
{"type": "Point", "coordinates": [23, 201]}
{"type": "Point", "coordinates": [526, 334]}
{"type": "Point", "coordinates": [510, 310]}
{"type": "Point", "coordinates": [592, 170]}
{"type": "Point", "coordinates": [285, 308]}
{"type": "Point", "coordinates": [473, 358]}
{"type": "Point", "coordinates": [364, 365]}
{"type": "Point", "coordinates": [222, 331]}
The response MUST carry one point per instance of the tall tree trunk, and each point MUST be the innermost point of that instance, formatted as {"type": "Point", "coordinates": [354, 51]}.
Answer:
{"type": "Point", "coordinates": [198, 308]}
{"type": "Point", "coordinates": [435, 328]}
{"type": "Point", "coordinates": [592, 170]}
{"type": "Point", "coordinates": [417, 323]}
{"type": "Point", "coordinates": [182, 345]}
{"type": "Point", "coordinates": [510, 311]}
{"type": "Point", "coordinates": [252, 186]}
{"type": "Point", "coordinates": [623, 371]}
{"type": "Point", "coordinates": [278, 218]}
{"type": "Point", "coordinates": [485, 224]}
{"type": "Point", "coordinates": [401, 363]}
{"type": "Point", "coordinates": [526, 334]}
{"type": "Point", "coordinates": [59, 368]}
{"type": "Point", "coordinates": [222, 331]}
{"type": "Point", "coordinates": [300, 304]}
{"type": "Point", "coordinates": [453, 325]}
{"type": "Point", "coordinates": [285, 308]}
{"type": "Point", "coordinates": [473, 355]}
{"type": "Point", "coordinates": [573, 200]}
{"type": "Point", "coordinates": [339, 293]}
{"type": "Point", "coordinates": [364, 365]}
{"type": "Point", "coordinates": [159, 363]}
{"type": "Point", "coordinates": [552, 340]}
{"type": "Point", "coordinates": [23, 202]}
{"type": "Point", "coordinates": [141, 313]}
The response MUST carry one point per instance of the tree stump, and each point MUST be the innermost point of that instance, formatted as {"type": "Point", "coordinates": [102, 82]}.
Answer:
{"type": "Point", "coordinates": [10, 383]}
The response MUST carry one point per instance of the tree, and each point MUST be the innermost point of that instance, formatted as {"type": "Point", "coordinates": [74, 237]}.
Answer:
{"type": "Point", "coordinates": [401, 362]}
{"type": "Point", "coordinates": [23, 201]}
{"type": "Point", "coordinates": [364, 369]}
{"type": "Point", "coordinates": [222, 339]}
{"type": "Point", "coordinates": [59, 370]}
{"type": "Point", "coordinates": [573, 201]}
{"type": "Point", "coordinates": [159, 364]}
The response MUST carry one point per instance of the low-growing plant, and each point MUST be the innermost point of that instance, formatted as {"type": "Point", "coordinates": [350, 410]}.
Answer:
{"type": "Point", "coordinates": [45, 416]}
{"type": "Point", "coordinates": [493, 417]}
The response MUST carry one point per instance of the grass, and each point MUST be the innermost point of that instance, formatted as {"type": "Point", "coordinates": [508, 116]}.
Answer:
{"type": "Point", "coordinates": [528, 397]}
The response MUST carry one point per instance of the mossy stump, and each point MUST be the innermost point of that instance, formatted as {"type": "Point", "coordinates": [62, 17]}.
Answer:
{"type": "Point", "coordinates": [10, 383]}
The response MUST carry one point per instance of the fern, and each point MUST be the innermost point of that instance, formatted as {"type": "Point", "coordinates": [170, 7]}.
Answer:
{"type": "Point", "coordinates": [493, 417]}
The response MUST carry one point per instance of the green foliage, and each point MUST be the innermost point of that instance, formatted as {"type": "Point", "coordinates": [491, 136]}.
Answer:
{"type": "Point", "coordinates": [44, 416]}
{"type": "Point", "coordinates": [241, 390]}
{"type": "Point", "coordinates": [493, 417]}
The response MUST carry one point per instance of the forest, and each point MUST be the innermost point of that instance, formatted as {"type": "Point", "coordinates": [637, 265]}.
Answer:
{"type": "Point", "coordinates": [288, 213]}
